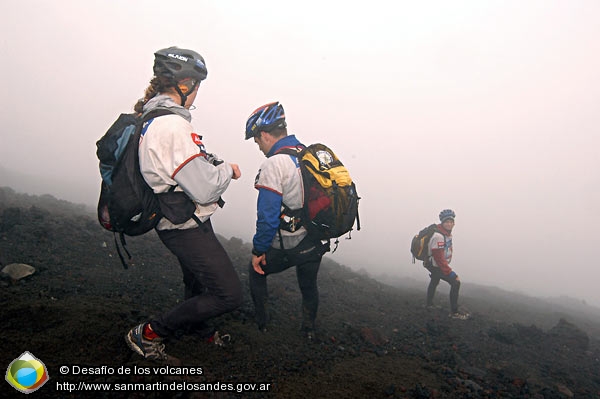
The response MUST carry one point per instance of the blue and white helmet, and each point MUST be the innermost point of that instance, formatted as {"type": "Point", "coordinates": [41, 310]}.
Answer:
{"type": "Point", "coordinates": [447, 214]}
{"type": "Point", "coordinates": [265, 118]}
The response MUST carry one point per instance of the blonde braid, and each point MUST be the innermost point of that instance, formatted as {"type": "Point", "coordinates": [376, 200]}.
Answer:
{"type": "Point", "coordinates": [158, 84]}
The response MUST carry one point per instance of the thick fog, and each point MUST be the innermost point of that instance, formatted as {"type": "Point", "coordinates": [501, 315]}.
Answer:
{"type": "Point", "coordinates": [489, 108]}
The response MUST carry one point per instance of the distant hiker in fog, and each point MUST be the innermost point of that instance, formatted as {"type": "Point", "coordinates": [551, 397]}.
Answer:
{"type": "Point", "coordinates": [172, 157]}
{"type": "Point", "coordinates": [280, 241]}
{"type": "Point", "coordinates": [438, 263]}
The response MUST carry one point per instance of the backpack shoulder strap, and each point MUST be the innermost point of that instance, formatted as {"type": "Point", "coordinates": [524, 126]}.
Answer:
{"type": "Point", "coordinates": [295, 215]}
{"type": "Point", "coordinates": [295, 151]}
{"type": "Point", "coordinates": [156, 113]}
{"type": "Point", "coordinates": [437, 230]}
{"type": "Point", "coordinates": [433, 229]}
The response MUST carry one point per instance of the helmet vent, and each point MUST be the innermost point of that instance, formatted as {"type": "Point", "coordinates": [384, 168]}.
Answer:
{"type": "Point", "coordinates": [174, 65]}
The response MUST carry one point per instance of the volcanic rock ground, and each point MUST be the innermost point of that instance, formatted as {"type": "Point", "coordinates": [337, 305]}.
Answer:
{"type": "Point", "coordinates": [374, 340]}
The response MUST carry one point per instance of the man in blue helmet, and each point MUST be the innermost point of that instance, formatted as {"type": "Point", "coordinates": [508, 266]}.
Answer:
{"type": "Point", "coordinates": [280, 241]}
{"type": "Point", "coordinates": [438, 263]}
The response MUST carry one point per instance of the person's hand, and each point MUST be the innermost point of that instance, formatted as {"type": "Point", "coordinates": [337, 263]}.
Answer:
{"type": "Point", "coordinates": [236, 171]}
{"type": "Point", "coordinates": [257, 261]}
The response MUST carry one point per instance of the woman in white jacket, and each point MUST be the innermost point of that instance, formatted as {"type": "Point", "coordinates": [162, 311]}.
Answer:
{"type": "Point", "coordinates": [173, 158]}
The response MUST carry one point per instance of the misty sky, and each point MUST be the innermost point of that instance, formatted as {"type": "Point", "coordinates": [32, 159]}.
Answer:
{"type": "Point", "coordinates": [490, 108]}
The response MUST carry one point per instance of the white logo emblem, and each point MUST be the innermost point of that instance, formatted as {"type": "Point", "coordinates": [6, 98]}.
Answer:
{"type": "Point", "coordinates": [179, 57]}
{"type": "Point", "coordinates": [325, 159]}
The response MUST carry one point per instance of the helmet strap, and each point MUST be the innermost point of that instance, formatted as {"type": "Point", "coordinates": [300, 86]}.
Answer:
{"type": "Point", "coordinates": [183, 96]}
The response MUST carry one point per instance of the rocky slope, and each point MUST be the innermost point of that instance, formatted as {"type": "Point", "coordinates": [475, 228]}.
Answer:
{"type": "Point", "coordinates": [374, 340]}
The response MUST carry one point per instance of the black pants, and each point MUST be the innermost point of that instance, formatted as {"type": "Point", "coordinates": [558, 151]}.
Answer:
{"type": "Point", "coordinates": [437, 275]}
{"type": "Point", "coordinates": [306, 257]}
{"type": "Point", "coordinates": [212, 286]}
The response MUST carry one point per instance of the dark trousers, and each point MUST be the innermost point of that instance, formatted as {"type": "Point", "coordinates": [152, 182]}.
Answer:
{"type": "Point", "coordinates": [306, 257]}
{"type": "Point", "coordinates": [437, 275]}
{"type": "Point", "coordinates": [212, 286]}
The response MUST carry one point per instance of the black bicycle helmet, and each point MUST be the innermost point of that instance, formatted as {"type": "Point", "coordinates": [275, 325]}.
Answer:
{"type": "Point", "coordinates": [178, 64]}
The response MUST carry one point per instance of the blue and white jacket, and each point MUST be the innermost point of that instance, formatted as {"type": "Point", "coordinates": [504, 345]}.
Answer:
{"type": "Point", "coordinates": [279, 182]}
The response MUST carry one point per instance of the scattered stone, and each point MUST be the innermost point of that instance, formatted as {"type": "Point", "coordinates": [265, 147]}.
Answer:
{"type": "Point", "coordinates": [474, 371]}
{"type": "Point", "coordinates": [381, 352]}
{"type": "Point", "coordinates": [372, 336]}
{"type": "Point", "coordinates": [17, 271]}
{"type": "Point", "coordinates": [472, 385]}
{"type": "Point", "coordinates": [421, 392]}
{"type": "Point", "coordinates": [564, 390]}
{"type": "Point", "coordinates": [518, 382]}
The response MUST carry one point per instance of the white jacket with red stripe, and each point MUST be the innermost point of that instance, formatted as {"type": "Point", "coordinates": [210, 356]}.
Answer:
{"type": "Point", "coordinates": [440, 250]}
{"type": "Point", "coordinates": [172, 154]}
